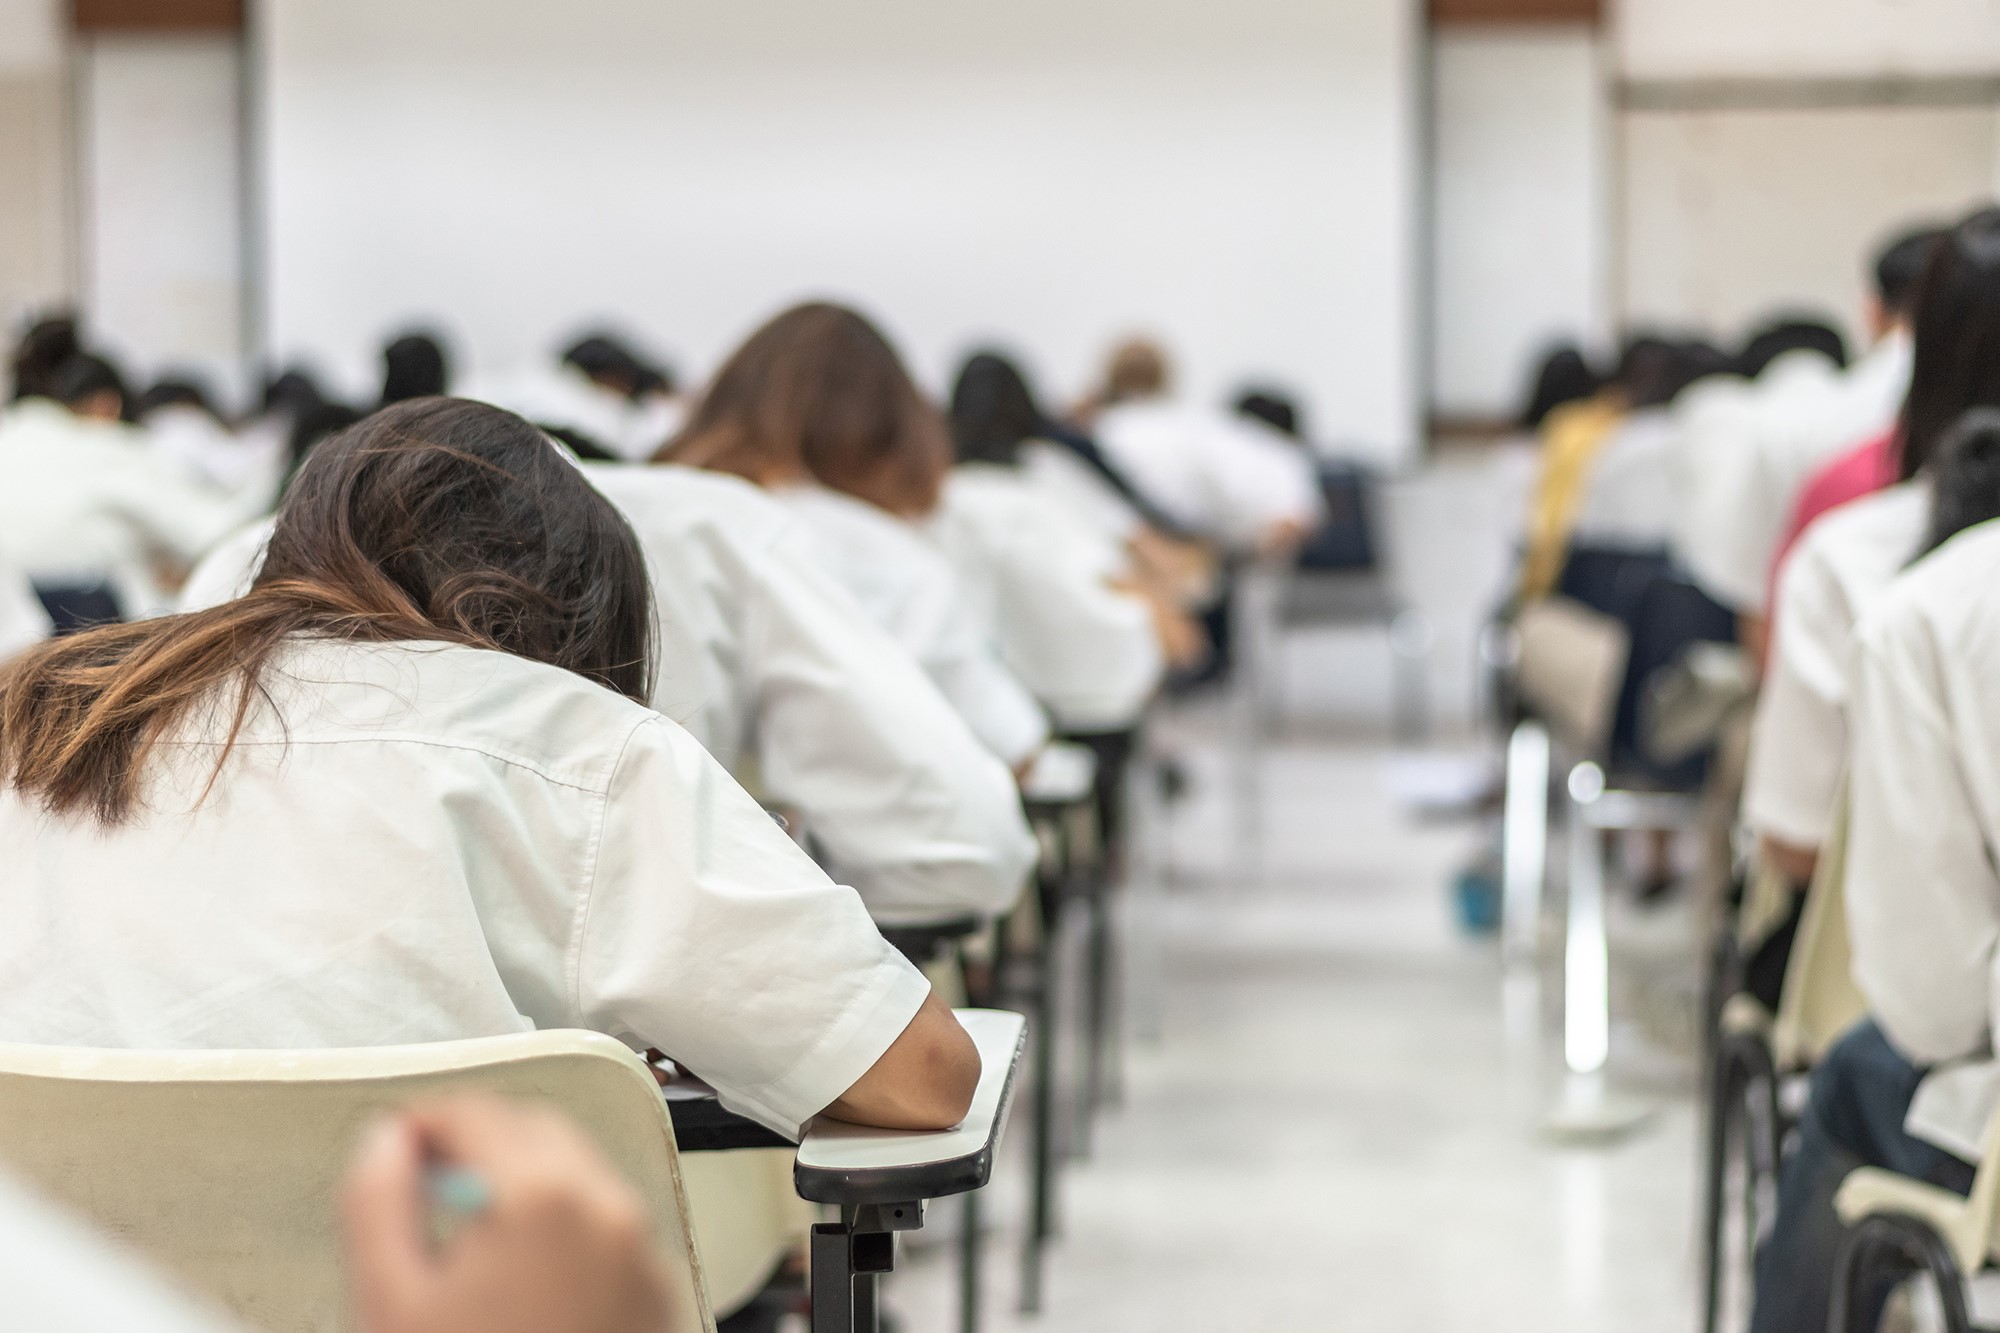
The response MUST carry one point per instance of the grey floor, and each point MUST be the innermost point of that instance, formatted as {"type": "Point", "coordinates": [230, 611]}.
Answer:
{"type": "Point", "coordinates": [1333, 1110]}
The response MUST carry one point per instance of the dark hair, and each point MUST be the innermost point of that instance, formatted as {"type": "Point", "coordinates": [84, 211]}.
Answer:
{"type": "Point", "coordinates": [819, 390]}
{"type": "Point", "coordinates": [414, 366]}
{"type": "Point", "coordinates": [612, 362]}
{"type": "Point", "coordinates": [47, 344]}
{"type": "Point", "coordinates": [175, 391]}
{"type": "Point", "coordinates": [1564, 376]}
{"type": "Point", "coordinates": [315, 422]}
{"type": "Point", "coordinates": [1957, 331]}
{"type": "Point", "coordinates": [1792, 334]}
{"type": "Point", "coordinates": [293, 391]}
{"type": "Point", "coordinates": [1899, 268]}
{"type": "Point", "coordinates": [85, 376]}
{"type": "Point", "coordinates": [993, 411]}
{"type": "Point", "coordinates": [434, 520]}
{"type": "Point", "coordinates": [580, 443]}
{"type": "Point", "coordinates": [1653, 369]}
{"type": "Point", "coordinates": [1274, 409]}
{"type": "Point", "coordinates": [1965, 477]}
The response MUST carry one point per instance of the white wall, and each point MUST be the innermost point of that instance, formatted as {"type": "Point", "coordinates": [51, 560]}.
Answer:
{"type": "Point", "coordinates": [1519, 197]}
{"type": "Point", "coordinates": [1715, 38]}
{"type": "Point", "coordinates": [162, 235]}
{"type": "Point", "coordinates": [1236, 178]}
{"type": "Point", "coordinates": [1730, 213]}
{"type": "Point", "coordinates": [37, 259]}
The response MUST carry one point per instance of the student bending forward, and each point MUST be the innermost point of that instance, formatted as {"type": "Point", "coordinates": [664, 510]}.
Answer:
{"type": "Point", "coordinates": [407, 790]}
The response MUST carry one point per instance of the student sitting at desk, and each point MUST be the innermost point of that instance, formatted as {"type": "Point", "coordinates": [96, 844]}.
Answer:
{"type": "Point", "coordinates": [408, 789]}
{"type": "Point", "coordinates": [1848, 556]}
{"type": "Point", "coordinates": [1915, 1088]}
{"type": "Point", "coordinates": [816, 408]}
{"type": "Point", "coordinates": [1063, 601]}
{"type": "Point", "coordinates": [771, 666]}
{"type": "Point", "coordinates": [87, 507]}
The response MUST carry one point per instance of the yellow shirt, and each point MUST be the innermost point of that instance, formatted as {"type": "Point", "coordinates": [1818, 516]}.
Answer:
{"type": "Point", "coordinates": [1571, 439]}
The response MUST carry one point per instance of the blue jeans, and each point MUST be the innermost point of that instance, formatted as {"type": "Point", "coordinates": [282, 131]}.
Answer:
{"type": "Point", "coordinates": [1861, 1093]}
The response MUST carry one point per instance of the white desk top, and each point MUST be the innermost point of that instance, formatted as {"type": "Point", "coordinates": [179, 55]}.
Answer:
{"type": "Point", "coordinates": [835, 1155]}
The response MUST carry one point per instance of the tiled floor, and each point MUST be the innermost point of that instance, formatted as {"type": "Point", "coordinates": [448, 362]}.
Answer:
{"type": "Point", "coordinates": [1330, 1125]}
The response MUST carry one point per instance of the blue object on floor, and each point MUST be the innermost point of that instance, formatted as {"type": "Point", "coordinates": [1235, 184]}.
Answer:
{"type": "Point", "coordinates": [1477, 896]}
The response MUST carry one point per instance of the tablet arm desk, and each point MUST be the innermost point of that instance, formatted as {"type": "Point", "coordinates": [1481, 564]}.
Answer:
{"type": "Point", "coordinates": [879, 1179]}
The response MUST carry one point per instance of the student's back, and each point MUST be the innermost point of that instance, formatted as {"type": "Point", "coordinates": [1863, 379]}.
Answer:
{"type": "Point", "coordinates": [407, 788]}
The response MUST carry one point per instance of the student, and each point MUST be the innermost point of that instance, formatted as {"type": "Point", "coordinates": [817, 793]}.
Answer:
{"type": "Point", "coordinates": [181, 421]}
{"type": "Point", "coordinates": [771, 666]}
{"type": "Point", "coordinates": [1077, 622]}
{"type": "Point", "coordinates": [408, 790]}
{"type": "Point", "coordinates": [1748, 450]}
{"type": "Point", "coordinates": [600, 393]}
{"type": "Point", "coordinates": [1880, 459]}
{"type": "Point", "coordinates": [1565, 376]}
{"type": "Point", "coordinates": [816, 408]}
{"type": "Point", "coordinates": [1231, 481]}
{"type": "Point", "coordinates": [557, 1253]}
{"type": "Point", "coordinates": [1914, 1088]}
{"type": "Point", "coordinates": [85, 504]}
{"type": "Point", "coordinates": [414, 366]}
{"type": "Point", "coordinates": [44, 348]}
{"type": "Point", "coordinates": [1846, 558]}
{"type": "Point", "coordinates": [1783, 336]}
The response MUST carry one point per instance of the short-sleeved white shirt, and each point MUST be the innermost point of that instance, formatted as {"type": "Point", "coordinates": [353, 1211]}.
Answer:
{"type": "Point", "coordinates": [1798, 749]}
{"type": "Point", "coordinates": [908, 588]}
{"type": "Point", "coordinates": [23, 620]}
{"type": "Point", "coordinates": [1222, 476]}
{"type": "Point", "coordinates": [416, 842]}
{"type": "Point", "coordinates": [1042, 584]}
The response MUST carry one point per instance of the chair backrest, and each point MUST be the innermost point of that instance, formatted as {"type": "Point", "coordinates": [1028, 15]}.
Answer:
{"type": "Point", "coordinates": [224, 1166]}
{"type": "Point", "coordinates": [1819, 1000]}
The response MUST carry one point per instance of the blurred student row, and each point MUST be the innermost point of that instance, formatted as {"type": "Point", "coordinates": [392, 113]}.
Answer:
{"type": "Point", "coordinates": [478, 731]}
{"type": "Point", "coordinates": [1835, 522]}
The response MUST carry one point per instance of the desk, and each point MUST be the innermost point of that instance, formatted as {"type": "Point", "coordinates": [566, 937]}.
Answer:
{"type": "Point", "coordinates": [880, 1179]}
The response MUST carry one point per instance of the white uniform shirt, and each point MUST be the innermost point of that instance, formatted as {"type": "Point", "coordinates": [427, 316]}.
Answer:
{"type": "Point", "coordinates": [87, 501]}
{"type": "Point", "coordinates": [59, 1276]}
{"type": "Point", "coordinates": [906, 586]}
{"type": "Point", "coordinates": [1798, 749]}
{"type": "Point", "coordinates": [1747, 451]}
{"type": "Point", "coordinates": [248, 465]}
{"type": "Point", "coordinates": [564, 396]}
{"type": "Point", "coordinates": [23, 620]}
{"type": "Point", "coordinates": [420, 842]}
{"type": "Point", "coordinates": [1041, 584]}
{"type": "Point", "coordinates": [1923, 897]}
{"type": "Point", "coordinates": [764, 657]}
{"type": "Point", "coordinates": [1064, 480]}
{"type": "Point", "coordinates": [1627, 501]}
{"type": "Point", "coordinates": [1220, 475]}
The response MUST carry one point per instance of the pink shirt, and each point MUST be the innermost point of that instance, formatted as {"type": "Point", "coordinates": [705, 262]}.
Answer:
{"type": "Point", "coordinates": [1862, 470]}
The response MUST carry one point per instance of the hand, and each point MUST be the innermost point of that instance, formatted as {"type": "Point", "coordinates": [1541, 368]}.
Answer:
{"type": "Point", "coordinates": [564, 1246]}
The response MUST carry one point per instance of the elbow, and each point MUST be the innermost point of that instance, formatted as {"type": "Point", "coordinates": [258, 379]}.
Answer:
{"type": "Point", "coordinates": [943, 1098]}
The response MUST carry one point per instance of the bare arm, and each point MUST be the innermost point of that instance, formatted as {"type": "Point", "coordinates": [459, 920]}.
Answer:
{"type": "Point", "coordinates": [925, 1080]}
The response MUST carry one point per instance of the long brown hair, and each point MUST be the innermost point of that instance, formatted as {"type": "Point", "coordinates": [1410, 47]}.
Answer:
{"type": "Point", "coordinates": [818, 391]}
{"type": "Point", "coordinates": [434, 519]}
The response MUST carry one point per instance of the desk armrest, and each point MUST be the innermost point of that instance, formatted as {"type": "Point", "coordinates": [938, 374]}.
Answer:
{"type": "Point", "coordinates": [839, 1163]}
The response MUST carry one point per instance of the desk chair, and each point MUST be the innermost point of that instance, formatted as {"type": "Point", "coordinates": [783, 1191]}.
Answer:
{"type": "Point", "coordinates": [1339, 580]}
{"type": "Point", "coordinates": [1904, 1227]}
{"type": "Point", "coordinates": [879, 1180]}
{"type": "Point", "coordinates": [223, 1166]}
{"type": "Point", "coordinates": [1756, 1075]}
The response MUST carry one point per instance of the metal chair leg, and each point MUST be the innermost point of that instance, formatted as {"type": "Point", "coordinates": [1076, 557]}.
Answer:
{"type": "Point", "coordinates": [1524, 834]}
{"type": "Point", "coordinates": [968, 1266]}
{"type": "Point", "coordinates": [1742, 1100]}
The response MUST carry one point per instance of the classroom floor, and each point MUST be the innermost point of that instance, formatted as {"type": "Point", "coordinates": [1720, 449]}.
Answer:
{"type": "Point", "coordinates": [1331, 1120]}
